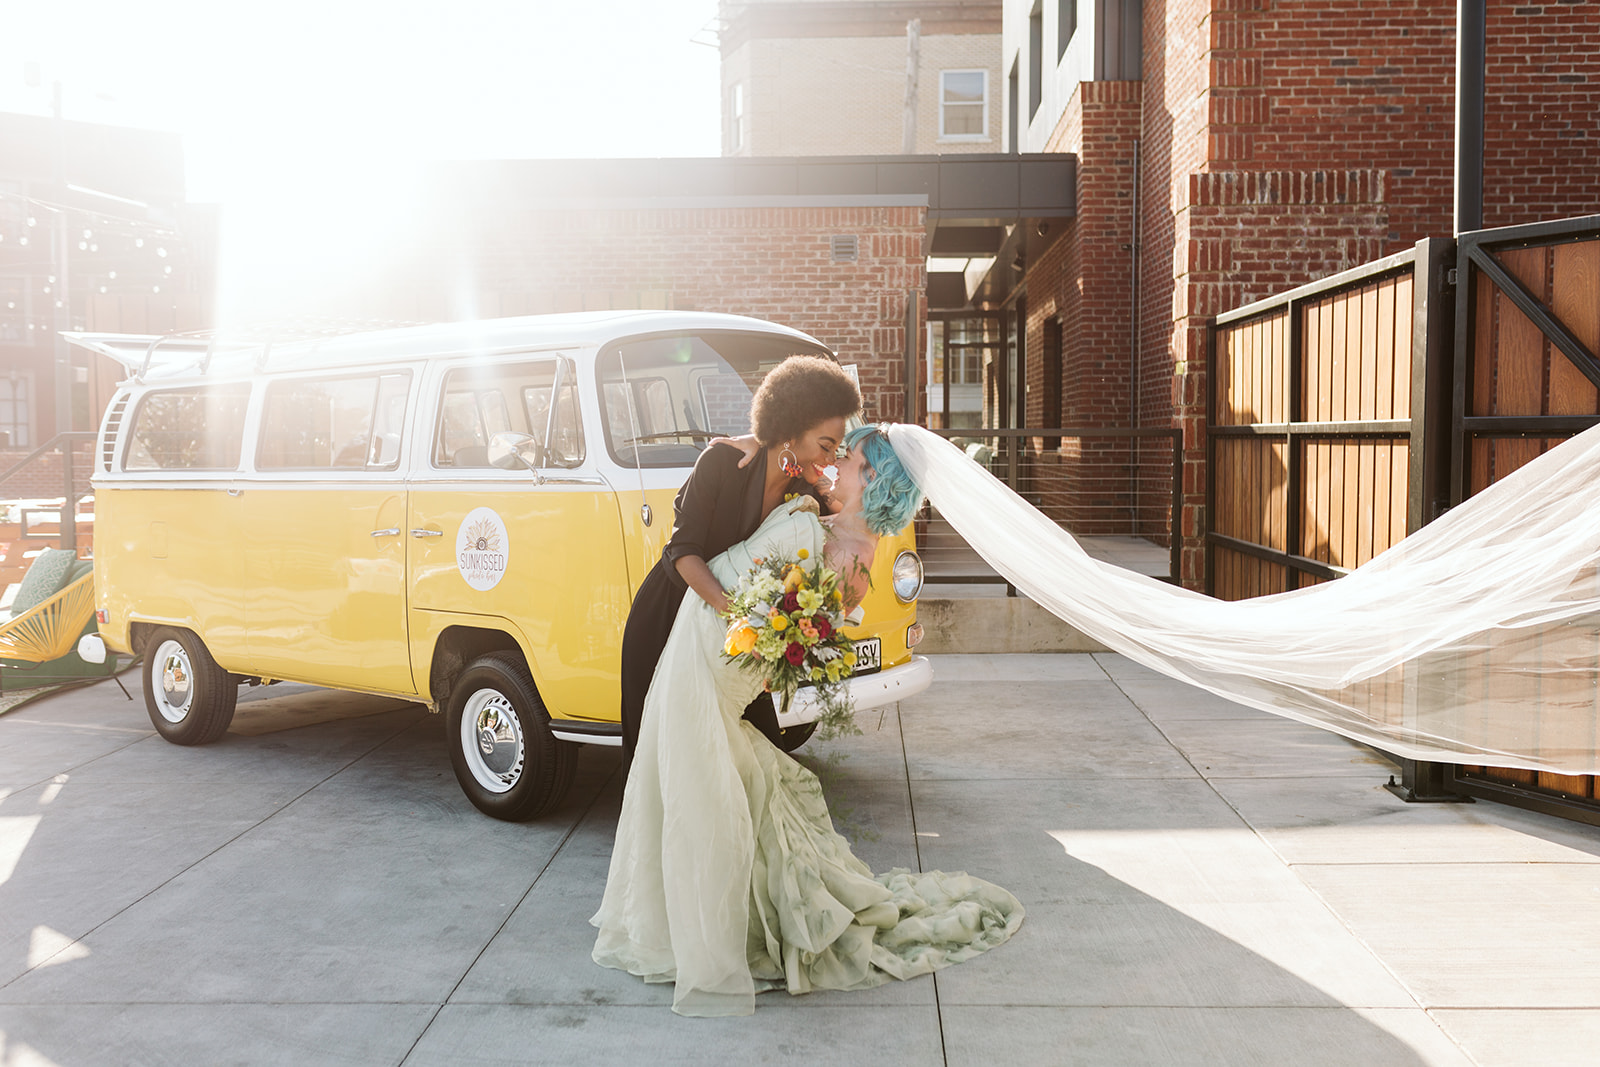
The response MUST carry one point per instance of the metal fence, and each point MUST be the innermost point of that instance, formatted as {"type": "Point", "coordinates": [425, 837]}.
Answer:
{"type": "Point", "coordinates": [1116, 491]}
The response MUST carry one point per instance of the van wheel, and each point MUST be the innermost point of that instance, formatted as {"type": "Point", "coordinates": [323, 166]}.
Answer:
{"type": "Point", "coordinates": [791, 738]}
{"type": "Point", "coordinates": [501, 748]}
{"type": "Point", "coordinates": [190, 699]}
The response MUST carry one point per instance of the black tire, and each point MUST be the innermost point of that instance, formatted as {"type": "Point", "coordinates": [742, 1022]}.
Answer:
{"type": "Point", "coordinates": [791, 738]}
{"type": "Point", "coordinates": [189, 698]}
{"type": "Point", "coordinates": [511, 767]}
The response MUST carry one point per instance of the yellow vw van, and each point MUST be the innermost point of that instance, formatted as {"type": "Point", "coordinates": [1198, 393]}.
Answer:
{"type": "Point", "coordinates": [458, 514]}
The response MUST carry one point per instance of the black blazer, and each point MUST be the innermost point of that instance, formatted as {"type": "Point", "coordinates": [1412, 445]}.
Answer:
{"type": "Point", "coordinates": [719, 506]}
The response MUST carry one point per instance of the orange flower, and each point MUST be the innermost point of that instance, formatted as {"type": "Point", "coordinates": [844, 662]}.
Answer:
{"type": "Point", "coordinates": [741, 639]}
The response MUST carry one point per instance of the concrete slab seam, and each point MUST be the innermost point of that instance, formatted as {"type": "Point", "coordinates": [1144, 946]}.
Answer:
{"type": "Point", "coordinates": [189, 867]}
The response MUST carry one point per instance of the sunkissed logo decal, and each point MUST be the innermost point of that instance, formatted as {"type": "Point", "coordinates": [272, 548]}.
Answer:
{"type": "Point", "coordinates": [482, 548]}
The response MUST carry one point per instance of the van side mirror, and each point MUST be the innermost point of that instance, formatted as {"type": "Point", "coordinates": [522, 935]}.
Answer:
{"type": "Point", "coordinates": [509, 451]}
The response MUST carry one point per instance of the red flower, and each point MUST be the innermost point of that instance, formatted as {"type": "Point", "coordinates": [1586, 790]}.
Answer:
{"type": "Point", "coordinates": [824, 628]}
{"type": "Point", "coordinates": [791, 602]}
{"type": "Point", "coordinates": [795, 653]}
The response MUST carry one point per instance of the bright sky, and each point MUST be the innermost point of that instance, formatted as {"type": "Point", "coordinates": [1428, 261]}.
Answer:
{"type": "Point", "coordinates": [303, 117]}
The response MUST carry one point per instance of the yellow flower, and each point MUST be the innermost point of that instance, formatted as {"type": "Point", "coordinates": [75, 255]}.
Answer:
{"type": "Point", "coordinates": [744, 640]}
{"type": "Point", "coordinates": [804, 554]}
{"type": "Point", "coordinates": [849, 659]}
{"type": "Point", "coordinates": [816, 674]}
{"type": "Point", "coordinates": [810, 600]}
{"type": "Point", "coordinates": [778, 621]}
{"type": "Point", "coordinates": [792, 579]}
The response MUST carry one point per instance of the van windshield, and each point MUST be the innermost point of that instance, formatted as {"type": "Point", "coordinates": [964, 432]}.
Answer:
{"type": "Point", "coordinates": [665, 397]}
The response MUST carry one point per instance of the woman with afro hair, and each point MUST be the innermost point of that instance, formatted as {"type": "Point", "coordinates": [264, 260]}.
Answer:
{"type": "Point", "coordinates": [798, 423]}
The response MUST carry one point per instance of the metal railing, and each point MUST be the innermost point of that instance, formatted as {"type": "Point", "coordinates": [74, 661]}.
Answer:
{"type": "Point", "coordinates": [1115, 490]}
{"type": "Point", "coordinates": [65, 444]}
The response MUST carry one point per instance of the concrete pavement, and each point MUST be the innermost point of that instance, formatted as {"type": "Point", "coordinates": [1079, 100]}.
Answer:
{"type": "Point", "coordinates": [1205, 884]}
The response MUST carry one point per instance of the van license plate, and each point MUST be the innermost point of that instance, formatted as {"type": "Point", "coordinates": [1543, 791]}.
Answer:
{"type": "Point", "coordinates": [869, 655]}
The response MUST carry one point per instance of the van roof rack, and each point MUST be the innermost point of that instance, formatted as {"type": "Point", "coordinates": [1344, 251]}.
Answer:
{"type": "Point", "coordinates": [139, 354]}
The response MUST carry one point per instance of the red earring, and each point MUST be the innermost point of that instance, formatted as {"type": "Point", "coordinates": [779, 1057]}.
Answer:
{"type": "Point", "coordinates": [788, 463]}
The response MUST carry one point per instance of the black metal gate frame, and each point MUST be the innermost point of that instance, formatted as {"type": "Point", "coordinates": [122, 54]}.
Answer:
{"type": "Point", "coordinates": [1476, 254]}
{"type": "Point", "coordinates": [1428, 263]}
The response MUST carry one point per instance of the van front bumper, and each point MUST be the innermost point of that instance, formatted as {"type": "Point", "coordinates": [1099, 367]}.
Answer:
{"type": "Point", "coordinates": [868, 691]}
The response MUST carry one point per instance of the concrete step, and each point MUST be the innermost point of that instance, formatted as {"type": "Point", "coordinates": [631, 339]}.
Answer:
{"type": "Point", "coordinates": [991, 623]}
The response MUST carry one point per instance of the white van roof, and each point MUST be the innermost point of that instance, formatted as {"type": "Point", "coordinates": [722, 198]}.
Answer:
{"type": "Point", "coordinates": [178, 357]}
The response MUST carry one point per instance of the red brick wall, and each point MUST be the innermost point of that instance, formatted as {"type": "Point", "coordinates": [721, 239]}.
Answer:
{"type": "Point", "coordinates": [1275, 92]}
{"type": "Point", "coordinates": [41, 479]}
{"type": "Point", "coordinates": [1084, 281]}
{"type": "Point", "coordinates": [1339, 85]}
{"type": "Point", "coordinates": [1541, 112]}
{"type": "Point", "coordinates": [772, 263]}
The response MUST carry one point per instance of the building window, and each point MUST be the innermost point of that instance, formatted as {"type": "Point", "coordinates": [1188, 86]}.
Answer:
{"type": "Point", "coordinates": [736, 117]}
{"type": "Point", "coordinates": [1066, 25]}
{"type": "Point", "coordinates": [1035, 59]}
{"type": "Point", "coordinates": [963, 105]}
{"type": "Point", "coordinates": [14, 403]}
{"type": "Point", "coordinates": [1051, 384]}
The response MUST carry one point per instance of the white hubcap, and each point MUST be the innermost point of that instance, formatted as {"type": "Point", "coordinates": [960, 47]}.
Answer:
{"type": "Point", "coordinates": [491, 740]}
{"type": "Point", "coordinates": [174, 681]}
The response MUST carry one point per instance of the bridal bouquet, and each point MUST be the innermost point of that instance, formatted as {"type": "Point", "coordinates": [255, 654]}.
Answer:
{"type": "Point", "coordinates": [784, 624]}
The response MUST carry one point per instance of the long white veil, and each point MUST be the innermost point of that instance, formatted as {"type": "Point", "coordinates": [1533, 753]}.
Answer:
{"type": "Point", "coordinates": [1475, 640]}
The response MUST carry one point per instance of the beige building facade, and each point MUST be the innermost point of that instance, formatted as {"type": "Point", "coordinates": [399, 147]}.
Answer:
{"type": "Point", "coordinates": [823, 77]}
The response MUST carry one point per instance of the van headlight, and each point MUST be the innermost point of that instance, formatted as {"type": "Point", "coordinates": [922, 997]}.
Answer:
{"type": "Point", "coordinates": [907, 576]}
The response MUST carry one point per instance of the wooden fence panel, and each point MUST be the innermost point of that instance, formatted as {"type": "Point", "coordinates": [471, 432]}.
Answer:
{"type": "Point", "coordinates": [1312, 414]}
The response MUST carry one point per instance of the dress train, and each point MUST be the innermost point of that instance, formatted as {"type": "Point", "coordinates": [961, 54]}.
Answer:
{"type": "Point", "coordinates": [727, 877]}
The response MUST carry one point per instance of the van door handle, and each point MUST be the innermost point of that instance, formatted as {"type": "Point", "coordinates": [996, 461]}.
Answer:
{"type": "Point", "coordinates": [425, 533]}
{"type": "Point", "coordinates": [393, 531]}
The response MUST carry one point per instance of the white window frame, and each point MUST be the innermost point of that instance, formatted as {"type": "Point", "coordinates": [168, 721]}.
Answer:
{"type": "Point", "coordinates": [18, 401]}
{"type": "Point", "coordinates": [736, 109]}
{"type": "Point", "coordinates": [966, 137]}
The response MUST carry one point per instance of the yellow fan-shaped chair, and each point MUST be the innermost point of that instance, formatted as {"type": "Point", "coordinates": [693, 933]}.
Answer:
{"type": "Point", "coordinates": [50, 629]}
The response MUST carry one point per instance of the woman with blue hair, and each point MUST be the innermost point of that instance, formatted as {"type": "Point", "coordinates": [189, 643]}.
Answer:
{"type": "Point", "coordinates": [727, 878]}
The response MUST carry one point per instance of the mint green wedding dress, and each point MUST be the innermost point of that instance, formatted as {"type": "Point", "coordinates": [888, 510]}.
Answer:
{"type": "Point", "coordinates": [727, 877]}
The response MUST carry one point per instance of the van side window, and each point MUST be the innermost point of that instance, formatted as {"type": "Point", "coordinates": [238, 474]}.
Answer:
{"type": "Point", "coordinates": [188, 429]}
{"type": "Point", "coordinates": [475, 408]}
{"type": "Point", "coordinates": [333, 423]}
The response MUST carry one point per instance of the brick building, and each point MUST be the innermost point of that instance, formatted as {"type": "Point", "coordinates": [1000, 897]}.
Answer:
{"type": "Point", "coordinates": [1229, 149]}
{"type": "Point", "coordinates": [831, 77]}
{"type": "Point", "coordinates": [836, 247]}
{"type": "Point", "coordinates": [138, 258]}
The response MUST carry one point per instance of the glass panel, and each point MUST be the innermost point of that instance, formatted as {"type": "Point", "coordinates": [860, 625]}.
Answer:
{"type": "Point", "coordinates": [460, 428]}
{"type": "Point", "coordinates": [475, 409]}
{"type": "Point", "coordinates": [963, 119]}
{"type": "Point", "coordinates": [189, 429]}
{"type": "Point", "coordinates": [665, 397]}
{"type": "Point", "coordinates": [964, 86]}
{"type": "Point", "coordinates": [389, 420]}
{"type": "Point", "coordinates": [311, 424]}
{"type": "Point", "coordinates": [14, 412]}
{"type": "Point", "coordinates": [495, 417]}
